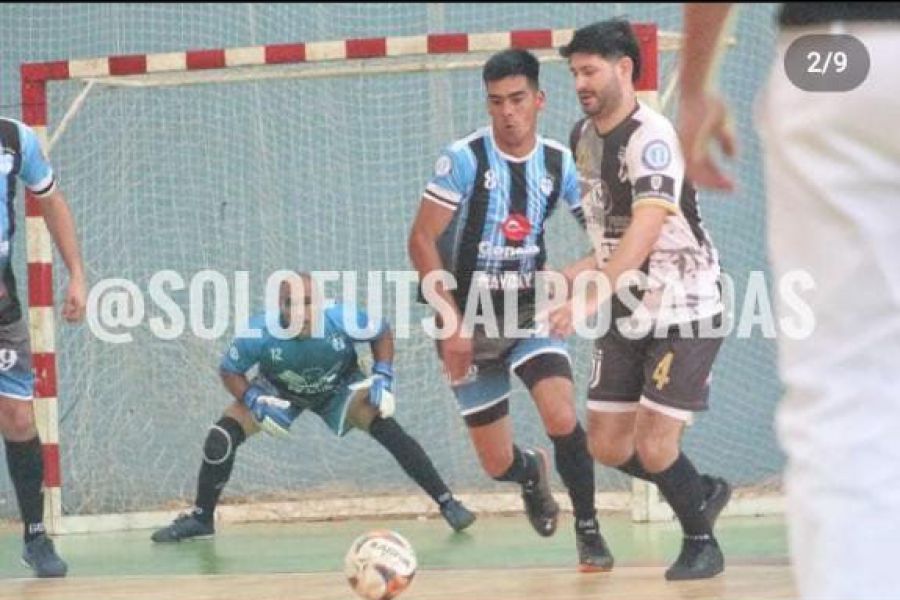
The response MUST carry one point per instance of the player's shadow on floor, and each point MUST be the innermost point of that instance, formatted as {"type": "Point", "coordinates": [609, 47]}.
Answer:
{"type": "Point", "coordinates": [200, 555]}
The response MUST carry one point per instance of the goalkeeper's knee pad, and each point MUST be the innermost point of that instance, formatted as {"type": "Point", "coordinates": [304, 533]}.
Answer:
{"type": "Point", "coordinates": [222, 441]}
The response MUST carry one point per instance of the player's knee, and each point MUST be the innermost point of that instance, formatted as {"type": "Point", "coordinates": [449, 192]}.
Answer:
{"type": "Point", "coordinates": [655, 453]}
{"type": "Point", "coordinates": [362, 415]}
{"type": "Point", "coordinates": [548, 378]}
{"type": "Point", "coordinates": [561, 422]}
{"type": "Point", "coordinates": [222, 441]}
{"type": "Point", "coordinates": [17, 420]}
{"type": "Point", "coordinates": [610, 452]}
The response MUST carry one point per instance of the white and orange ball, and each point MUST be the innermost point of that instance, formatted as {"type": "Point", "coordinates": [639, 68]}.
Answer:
{"type": "Point", "coordinates": [380, 564]}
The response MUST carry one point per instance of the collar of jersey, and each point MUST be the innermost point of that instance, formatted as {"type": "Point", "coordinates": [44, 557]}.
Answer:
{"type": "Point", "coordinates": [505, 156]}
{"type": "Point", "coordinates": [638, 106]}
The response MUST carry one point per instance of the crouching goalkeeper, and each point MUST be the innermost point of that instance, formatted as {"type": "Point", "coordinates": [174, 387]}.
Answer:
{"type": "Point", "coordinates": [315, 372]}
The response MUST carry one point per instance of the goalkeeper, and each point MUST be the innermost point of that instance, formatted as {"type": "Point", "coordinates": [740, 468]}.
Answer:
{"type": "Point", "coordinates": [315, 372]}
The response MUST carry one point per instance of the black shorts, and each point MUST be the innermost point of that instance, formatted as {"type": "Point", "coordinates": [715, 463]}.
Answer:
{"type": "Point", "coordinates": [671, 371]}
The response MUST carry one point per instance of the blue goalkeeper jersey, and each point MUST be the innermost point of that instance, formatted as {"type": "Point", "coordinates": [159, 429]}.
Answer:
{"type": "Point", "coordinates": [306, 369]}
{"type": "Point", "coordinates": [501, 205]}
{"type": "Point", "coordinates": [21, 159]}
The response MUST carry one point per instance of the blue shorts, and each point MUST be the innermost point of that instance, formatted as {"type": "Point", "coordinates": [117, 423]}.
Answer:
{"type": "Point", "coordinates": [16, 376]}
{"type": "Point", "coordinates": [488, 382]}
{"type": "Point", "coordinates": [331, 408]}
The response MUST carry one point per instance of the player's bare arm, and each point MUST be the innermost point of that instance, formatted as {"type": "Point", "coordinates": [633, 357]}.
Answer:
{"type": "Point", "coordinates": [235, 383]}
{"type": "Point", "coordinates": [430, 223]}
{"type": "Point", "coordinates": [573, 270]}
{"type": "Point", "coordinates": [61, 225]}
{"type": "Point", "coordinates": [383, 347]}
{"type": "Point", "coordinates": [702, 115]}
{"type": "Point", "coordinates": [637, 243]}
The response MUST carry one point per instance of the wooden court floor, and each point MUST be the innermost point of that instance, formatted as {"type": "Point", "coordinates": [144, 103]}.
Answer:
{"type": "Point", "coordinates": [500, 558]}
{"type": "Point", "coordinates": [739, 582]}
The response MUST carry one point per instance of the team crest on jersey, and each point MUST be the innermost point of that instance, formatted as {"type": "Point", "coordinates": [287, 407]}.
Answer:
{"type": "Point", "coordinates": [7, 160]}
{"type": "Point", "coordinates": [442, 166]}
{"type": "Point", "coordinates": [546, 185]}
{"type": "Point", "coordinates": [338, 343]}
{"type": "Point", "coordinates": [490, 179]}
{"type": "Point", "coordinates": [657, 155]}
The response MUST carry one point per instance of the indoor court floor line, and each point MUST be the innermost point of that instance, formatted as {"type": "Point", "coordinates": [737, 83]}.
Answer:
{"type": "Point", "coordinates": [500, 558]}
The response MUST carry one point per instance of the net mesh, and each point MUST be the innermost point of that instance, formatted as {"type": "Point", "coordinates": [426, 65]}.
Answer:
{"type": "Point", "coordinates": [320, 174]}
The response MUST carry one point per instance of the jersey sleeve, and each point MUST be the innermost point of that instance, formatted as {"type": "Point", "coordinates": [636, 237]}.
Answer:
{"type": "Point", "coordinates": [35, 171]}
{"type": "Point", "coordinates": [453, 178]}
{"type": "Point", "coordinates": [570, 190]}
{"type": "Point", "coordinates": [244, 351]}
{"type": "Point", "coordinates": [355, 323]}
{"type": "Point", "coordinates": [655, 166]}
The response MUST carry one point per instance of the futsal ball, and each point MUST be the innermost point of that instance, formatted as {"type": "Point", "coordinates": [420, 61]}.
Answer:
{"type": "Point", "coordinates": [380, 564]}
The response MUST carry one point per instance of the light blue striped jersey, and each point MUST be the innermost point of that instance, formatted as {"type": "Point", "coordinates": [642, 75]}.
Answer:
{"type": "Point", "coordinates": [501, 205]}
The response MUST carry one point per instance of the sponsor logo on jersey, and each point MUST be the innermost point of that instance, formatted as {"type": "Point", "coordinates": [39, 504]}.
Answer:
{"type": "Point", "coordinates": [507, 280]}
{"type": "Point", "coordinates": [310, 381]}
{"type": "Point", "coordinates": [516, 227]}
{"type": "Point", "coordinates": [489, 251]}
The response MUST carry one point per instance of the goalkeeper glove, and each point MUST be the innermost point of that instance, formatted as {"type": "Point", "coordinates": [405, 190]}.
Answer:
{"type": "Point", "coordinates": [272, 414]}
{"type": "Point", "coordinates": [380, 386]}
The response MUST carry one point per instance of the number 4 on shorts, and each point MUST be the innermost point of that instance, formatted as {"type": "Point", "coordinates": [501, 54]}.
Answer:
{"type": "Point", "coordinates": [661, 373]}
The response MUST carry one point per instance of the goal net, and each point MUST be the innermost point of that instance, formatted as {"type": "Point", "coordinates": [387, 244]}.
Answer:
{"type": "Point", "coordinates": [246, 161]}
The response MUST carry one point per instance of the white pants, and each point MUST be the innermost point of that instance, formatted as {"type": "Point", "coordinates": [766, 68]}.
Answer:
{"type": "Point", "coordinates": [833, 177]}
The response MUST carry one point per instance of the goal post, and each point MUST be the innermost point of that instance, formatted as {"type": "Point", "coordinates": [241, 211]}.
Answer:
{"type": "Point", "coordinates": [140, 146]}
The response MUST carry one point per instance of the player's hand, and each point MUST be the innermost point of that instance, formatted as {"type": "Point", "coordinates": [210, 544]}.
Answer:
{"type": "Point", "coordinates": [381, 393]}
{"type": "Point", "coordinates": [701, 120]}
{"type": "Point", "coordinates": [456, 353]}
{"type": "Point", "coordinates": [272, 414]}
{"type": "Point", "coordinates": [560, 321]}
{"type": "Point", "coordinates": [76, 295]}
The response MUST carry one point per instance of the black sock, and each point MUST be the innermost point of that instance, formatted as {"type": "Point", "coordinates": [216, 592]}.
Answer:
{"type": "Point", "coordinates": [634, 468]}
{"type": "Point", "coordinates": [521, 470]}
{"type": "Point", "coordinates": [411, 457]}
{"type": "Point", "coordinates": [576, 468]}
{"type": "Point", "coordinates": [218, 459]}
{"type": "Point", "coordinates": [682, 488]}
{"type": "Point", "coordinates": [26, 469]}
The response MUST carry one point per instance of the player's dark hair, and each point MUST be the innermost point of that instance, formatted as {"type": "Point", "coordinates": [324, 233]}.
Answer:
{"type": "Point", "coordinates": [611, 39]}
{"type": "Point", "coordinates": [510, 63]}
